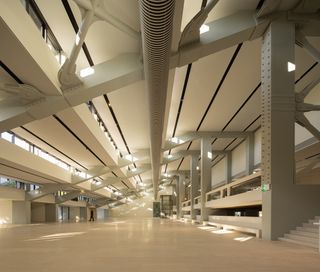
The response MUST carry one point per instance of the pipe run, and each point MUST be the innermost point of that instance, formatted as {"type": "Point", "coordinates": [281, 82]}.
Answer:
{"type": "Point", "coordinates": [156, 18]}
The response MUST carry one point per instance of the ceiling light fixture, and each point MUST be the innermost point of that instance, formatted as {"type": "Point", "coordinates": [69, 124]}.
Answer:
{"type": "Point", "coordinates": [209, 155]}
{"type": "Point", "coordinates": [174, 140]}
{"type": "Point", "coordinates": [86, 72]}
{"type": "Point", "coordinates": [291, 66]}
{"type": "Point", "coordinates": [129, 157]}
{"type": "Point", "coordinates": [204, 28]}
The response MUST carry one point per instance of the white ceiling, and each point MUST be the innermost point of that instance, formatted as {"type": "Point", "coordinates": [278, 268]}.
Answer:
{"type": "Point", "coordinates": [129, 104]}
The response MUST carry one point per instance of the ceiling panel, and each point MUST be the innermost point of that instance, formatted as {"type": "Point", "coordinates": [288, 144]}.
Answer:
{"type": "Point", "coordinates": [179, 79]}
{"type": "Point", "coordinates": [205, 76]}
{"type": "Point", "coordinates": [248, 113]}
{"type": "Point", "coordinates": [223, 8]}
{"type": "Point", "coordinates": [103, 48]}
{"type": "Point", "coordinates": [241, 80]}
{"type": "Point", "coordinates": [131, 109]}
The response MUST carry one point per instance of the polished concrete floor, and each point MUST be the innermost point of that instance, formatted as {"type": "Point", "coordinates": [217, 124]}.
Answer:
{"type": "Point", "coordinates": [145, 245]}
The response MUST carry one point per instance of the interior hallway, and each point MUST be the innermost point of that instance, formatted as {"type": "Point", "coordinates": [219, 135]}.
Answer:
{"type": "Point", "coordinates": [144, 245]}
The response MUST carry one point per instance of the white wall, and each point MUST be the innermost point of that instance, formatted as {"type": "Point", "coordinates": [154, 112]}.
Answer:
{"type": "Point", "coordinates": [238, 159]}
{"type": "Point", "coordinates": [257, 147]}
{"type": "Point", "coordinates": [101, 214]}
{"type": "Point", "coordinates": [5, 211]}
{"type": "Point", "coordinates": [218, 172]}
{"type": "Point", "coordinates": [21, 212]}
{"type": "Point", "coordinates": [11, 193]}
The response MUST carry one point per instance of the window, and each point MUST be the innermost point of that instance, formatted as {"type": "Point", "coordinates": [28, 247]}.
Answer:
{"type": "Point", "coordinates": [22, 143]}
{"type": "Point", "coordinates": [7, 136]}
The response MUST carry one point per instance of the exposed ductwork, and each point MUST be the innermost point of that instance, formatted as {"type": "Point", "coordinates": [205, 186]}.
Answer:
{"type": "Point", "coordinates": [156, 18]}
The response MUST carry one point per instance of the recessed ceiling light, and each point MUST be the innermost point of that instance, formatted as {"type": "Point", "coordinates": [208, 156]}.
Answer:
{"type": "Point", "coordinates": [169, 156]}
{"type": "Point", "coordinates": [291, 66]}
{"type": "Point", "coordinates": [86, 72]}
{"type": "Point", "coordinates": [204, 28]}
{"type": "Point", "coordinates": [174, 140]}
{"type": "Point", "coordinates": [209, 155]}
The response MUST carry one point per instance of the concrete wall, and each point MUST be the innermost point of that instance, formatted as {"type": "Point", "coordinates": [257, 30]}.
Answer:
{"type": "Point", "coordinates": [75, 213]}
{"type": "Point", "coordinates": [218, 172]}
{"type": "Point", "coordinates": [5, 211]}
{"type": "Point", "coordinates": [21, 212]}
{"type": "Point", "coordinates": [257, 147]}
{"type": "Point", "coordinates": [51, 212]}
{"type": "Point", "coordinates": [38, 212]}
{"type": "Point", "coordinates": [11, 193]}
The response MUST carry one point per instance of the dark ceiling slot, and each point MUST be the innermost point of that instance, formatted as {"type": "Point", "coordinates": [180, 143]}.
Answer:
{"type": "Point", "coordinates": [306, 72]}
{"type": "Point", "coordinates": [118, 127]}
{"type": "Point", "coordinates": [76, 28]}
{"type": "Point", "coordinates": [116, 121]}
{"type": "Point", "coordinates": [76, 136]}
{"type": "Point", "coordinates": [260, 4]}
{"type": "Point", "coordinates": [12, 74]}
{"type": "Point", "coordinates": [185, 84]}
{"type": "Point", "coordinates": [44, 141]}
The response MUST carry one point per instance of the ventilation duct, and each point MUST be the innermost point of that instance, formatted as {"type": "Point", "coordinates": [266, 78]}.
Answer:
{"type": "Point", "coordinates": [156, 25]}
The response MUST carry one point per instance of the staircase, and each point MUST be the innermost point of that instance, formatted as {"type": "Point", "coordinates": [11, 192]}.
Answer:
{"type": "Point", "coordinates": [307, 235]}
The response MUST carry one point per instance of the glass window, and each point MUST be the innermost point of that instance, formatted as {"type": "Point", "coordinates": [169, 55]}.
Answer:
{"type": "Point", "coordinates": [7, 136]}
{"type": "Point", "coordinates": [21, 143]}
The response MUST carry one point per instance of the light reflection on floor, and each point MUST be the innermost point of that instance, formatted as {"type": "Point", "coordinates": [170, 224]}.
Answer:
{"type": "Point", "coordinates": [56, 236]}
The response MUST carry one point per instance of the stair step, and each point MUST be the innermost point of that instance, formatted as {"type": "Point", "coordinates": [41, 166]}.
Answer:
{"type": "Point", "coordinates": [314, 235]}
{"type": "Point", "coordinates": [310, 225]}
{"type": "Point", "coordinates": [313, 230]}
{"type": "Point", "coordinates": [314, 221]}
{"type": "Point", "coordinates": [299, 242]}
{"type": "Point", "coordinates": [304, 239]}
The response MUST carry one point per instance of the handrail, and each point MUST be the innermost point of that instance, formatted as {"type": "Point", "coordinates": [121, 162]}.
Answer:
{"type": "Point", "coordinates": [233, 184]}
{"type": "Point", "coordinates": [186, 203]}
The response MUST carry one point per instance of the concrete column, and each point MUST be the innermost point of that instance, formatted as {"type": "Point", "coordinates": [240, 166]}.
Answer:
{"type": "Point", "coordinates": [228, 166]}
{"type": "Point", "coordinates": [278, 115]}
{"type": "Point", "coordinates": [249, 154]}
{"type": "Point", "coordinates": [194, 183]}
{"type": "Point", "coordinates": [181, 194]}
{"type": "Point", "coordinates": [205, 179]}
